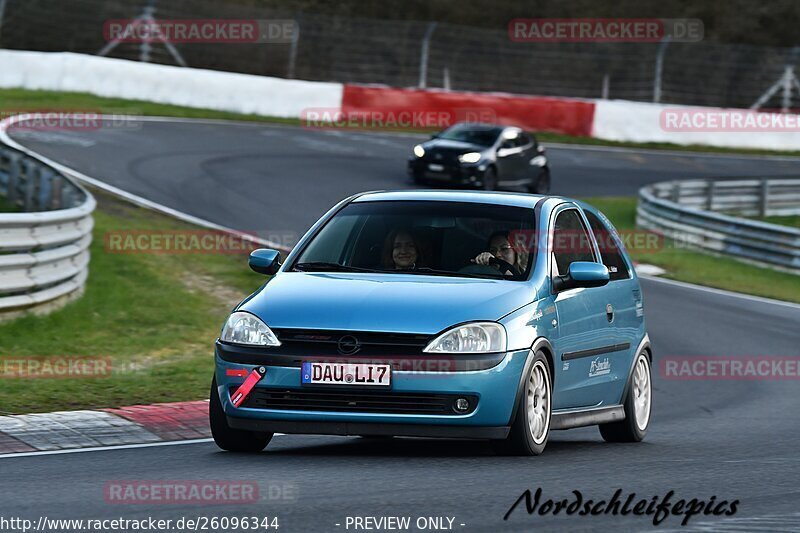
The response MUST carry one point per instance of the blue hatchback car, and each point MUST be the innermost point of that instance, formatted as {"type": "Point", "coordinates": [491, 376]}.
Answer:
{"type": "Point", "coordinates": [480, 315]}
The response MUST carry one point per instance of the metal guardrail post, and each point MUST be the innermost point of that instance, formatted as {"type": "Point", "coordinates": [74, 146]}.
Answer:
{"type": "Point", "coordinates": [763, 207]}
{"type": "Point", "coordinates": [710, 199]}
{"type": "Point", "coordinates": [14, 169]}
{"type": "Point", "coordinates": [676, 191]}
{"type": "Point", "coordinates": [55, 193]}
{"type": "Point", "coordinates": [30, 184]}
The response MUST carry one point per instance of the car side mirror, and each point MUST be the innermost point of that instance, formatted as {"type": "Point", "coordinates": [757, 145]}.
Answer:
{"type": "Point", "coordinates": [265, 261]}
{"type": "Point", "coordinates": [582, 274]}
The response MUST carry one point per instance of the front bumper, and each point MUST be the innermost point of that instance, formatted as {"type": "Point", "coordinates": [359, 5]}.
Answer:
{"type": "Point", "coordinates": [457, 174]}
{"type": "Point", "coordinates": [495, 389]}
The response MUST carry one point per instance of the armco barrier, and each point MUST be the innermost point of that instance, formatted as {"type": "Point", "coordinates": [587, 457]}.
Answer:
{"type": "Point", "coordinates": [44, 250]}
{"type": "Point", "coordinates": [559, 115]}
{"type": "Point", "coordinates": [700, 214]}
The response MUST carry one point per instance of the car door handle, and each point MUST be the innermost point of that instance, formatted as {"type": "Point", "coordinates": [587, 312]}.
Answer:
{"type": "Point", "coordinates": [610, 312]}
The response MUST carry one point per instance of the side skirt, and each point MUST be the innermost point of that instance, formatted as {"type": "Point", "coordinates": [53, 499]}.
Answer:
{"type": "Point", "coordinates": [575, 418]}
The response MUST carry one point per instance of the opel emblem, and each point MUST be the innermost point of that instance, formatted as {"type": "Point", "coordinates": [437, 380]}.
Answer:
{"type": "Point", "coordinates": [348, 345]}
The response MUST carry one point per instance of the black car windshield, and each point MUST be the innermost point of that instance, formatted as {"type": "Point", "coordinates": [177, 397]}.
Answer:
{"type": "Point", "coordinates": [482, 136]}
{"type": "Point", "coordinates": [457, 239]}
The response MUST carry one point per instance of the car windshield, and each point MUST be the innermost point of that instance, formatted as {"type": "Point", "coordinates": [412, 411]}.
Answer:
{"type": "Point", "coordinates": [457, 239]}
{"type": "Point", "coordinates": [483, 136]}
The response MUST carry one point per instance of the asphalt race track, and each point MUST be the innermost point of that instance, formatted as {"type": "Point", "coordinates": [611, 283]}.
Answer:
{"type": "Point", "coordinates": [729, 439]}
{"type": "Point", "coordinates": [262, 178]}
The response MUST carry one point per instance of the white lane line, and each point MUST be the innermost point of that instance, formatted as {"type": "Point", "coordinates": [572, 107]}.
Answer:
{"type": "Point", "coordinates": [721, 292]}
{"type": "Point", "coordinates": [105, 448]}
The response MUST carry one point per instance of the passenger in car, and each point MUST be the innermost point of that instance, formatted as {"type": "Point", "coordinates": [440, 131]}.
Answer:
{"type": "Point", "coordinates": [403, 250]}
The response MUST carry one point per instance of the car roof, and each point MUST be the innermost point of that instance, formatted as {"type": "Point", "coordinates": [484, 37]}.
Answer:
{"type": "Point", "coordinates": [481, 197]}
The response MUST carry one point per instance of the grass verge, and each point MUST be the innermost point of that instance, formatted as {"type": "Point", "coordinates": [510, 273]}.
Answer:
{"type": "Point", "coordinates": [20, 100]}
{"type": "Point", "coordinates": [698, 267]}
{"type": "Point", "coordinates": [793, 221]}
{"type": "Point", "coordinates": [155, 316]}
{"type": "Point", "coordinates": [7, 207]}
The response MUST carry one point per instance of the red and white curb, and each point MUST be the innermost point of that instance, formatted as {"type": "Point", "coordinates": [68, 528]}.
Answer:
{"type": "Point", "coordinates": [138, 424]}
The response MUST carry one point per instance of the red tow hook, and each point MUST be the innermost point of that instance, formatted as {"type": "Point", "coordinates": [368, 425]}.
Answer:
{"type": "Point", "coordinates": [243, 392]}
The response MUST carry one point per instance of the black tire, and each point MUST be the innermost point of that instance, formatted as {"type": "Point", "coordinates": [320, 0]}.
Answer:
{"type": "Point", "coordinates": [490, 179]}
{"type": "Point", "coordinates": [629, 430]}
{"type": "Point", "coordinates": [542, 185]}
{"type": "Point", "coordinates": [227, 438]}
{"type": "Point", "coordinates": [520, 440]}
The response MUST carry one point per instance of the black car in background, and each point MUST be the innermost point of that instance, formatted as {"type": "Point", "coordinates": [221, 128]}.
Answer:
{"type": "Point", "coordinates": [482, 155]}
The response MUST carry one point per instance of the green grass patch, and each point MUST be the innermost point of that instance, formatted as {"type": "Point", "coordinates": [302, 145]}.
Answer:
{"type": "Point", "coordinates": [7, 207]}
{"type": "Point", "coordinates": [793, 221]}
{"type": "Point", "coordinates": [21, 100]}
{"type": "Point", "coordinates": [699, 267]}
{"type": "Point", "coordinates": [154, 315]}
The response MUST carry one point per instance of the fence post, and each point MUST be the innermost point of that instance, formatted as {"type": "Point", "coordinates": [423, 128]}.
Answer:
{"type": "Point", "coordinates": [31, 175]}
{"type": "Point", "coordinates": [423, 60]}
{"type": "Point", "coordinates": [711, 191]}
{"type": "Point", "coordinates": [662, 50]}
{"type": "Point", "coordinates": [14, 169]}
{"type": "Point", "coordinates": [676, 191]}
{"type": "Point", "coordinates": [604, 91]}
{"type": "Point", "coordinates": [293, 48]}
{"type": "Point", "coordinates": [55, 193]}
{"type": "Point", "coordinates": [763, 208]}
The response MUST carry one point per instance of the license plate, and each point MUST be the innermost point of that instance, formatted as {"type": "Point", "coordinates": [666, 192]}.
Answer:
{"type": "Point", "coordinates": [375, 375]}
{"type": "Point", "coordinates": [435, 168]}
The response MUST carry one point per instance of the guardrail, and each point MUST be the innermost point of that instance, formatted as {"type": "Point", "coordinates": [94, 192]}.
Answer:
{"type": "Point", "coordinates": [701, 214]}
{"type": "Point", "coordinates": [44, 249]}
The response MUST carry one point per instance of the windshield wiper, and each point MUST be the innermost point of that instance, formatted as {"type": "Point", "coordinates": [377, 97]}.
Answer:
{"type": "Point", "coordinates": [322, 266]}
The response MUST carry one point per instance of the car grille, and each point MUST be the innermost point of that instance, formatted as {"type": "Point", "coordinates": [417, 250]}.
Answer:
{"type": "Point", "coordinates": [325, 342]}
{"type": "Point", "coordinates": [356, 401]}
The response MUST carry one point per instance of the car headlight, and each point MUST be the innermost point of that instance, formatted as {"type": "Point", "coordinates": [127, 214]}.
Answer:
{"type": "Point", "coordinates": [476, 337]}
{"type": "Point", "coordinates": [419, 151]}
{"type": "Point", "coordinates": [470, 157]}
{"type": "Point", "coordinates": [244, 328]}
{"type": "Point", "coordinates": [539, 161]}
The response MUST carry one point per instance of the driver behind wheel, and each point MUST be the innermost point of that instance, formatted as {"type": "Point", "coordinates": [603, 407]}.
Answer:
{"type": "Point", "coordinates": [500, 247]}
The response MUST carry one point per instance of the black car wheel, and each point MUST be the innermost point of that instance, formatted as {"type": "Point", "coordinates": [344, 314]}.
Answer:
{"type": "Point", "coordinates": [542, 185]}
{"type": "Point", "coordinates": [490, 179]}
{"type": "Point", "coordinates": [227, 438]}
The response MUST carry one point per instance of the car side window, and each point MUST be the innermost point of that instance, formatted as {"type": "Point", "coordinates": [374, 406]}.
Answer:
{"type": "Point", "coordinates": [609, 250]}
{"type": "Point", "coordinates": [571, 241]}
{"type": "Point", "coordinates": [509, 143]}
{"type": "Point", "coordinates": [524, 139]}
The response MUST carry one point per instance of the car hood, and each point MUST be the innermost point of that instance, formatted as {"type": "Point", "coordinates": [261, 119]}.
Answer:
{"type": "Point", "coordinates": [401, 303]}
{"type": "Point", "coordinates": [446, 145]}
